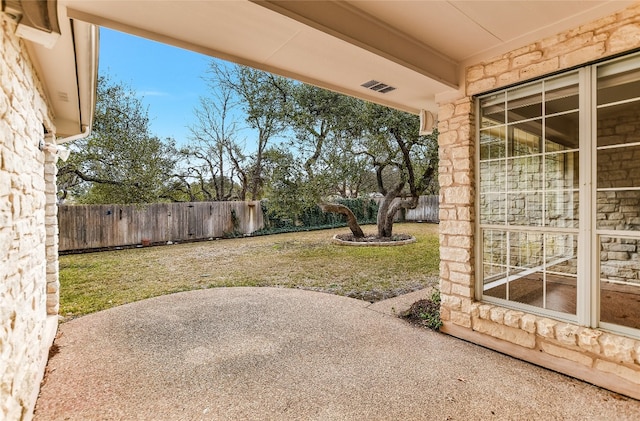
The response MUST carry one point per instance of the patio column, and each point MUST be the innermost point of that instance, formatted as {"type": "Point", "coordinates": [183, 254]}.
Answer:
{"type": "Point", "coordinates": [456, 177]}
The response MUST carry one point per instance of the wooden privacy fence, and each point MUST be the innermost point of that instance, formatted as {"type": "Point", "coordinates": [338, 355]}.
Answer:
{"type": "Point", "coordinates": [99, 226]}
{"type": "Point", "coordinates": [426, 211]}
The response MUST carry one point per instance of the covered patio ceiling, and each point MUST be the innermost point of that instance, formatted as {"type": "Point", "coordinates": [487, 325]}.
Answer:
{"type": "Point", "coordinates": [420, 48]}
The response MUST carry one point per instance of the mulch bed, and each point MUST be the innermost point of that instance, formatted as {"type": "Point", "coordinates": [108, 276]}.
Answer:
{"type": "Point", "coordinates": [370, 238]}
{"type": "Point", "coordinates": [416, 312]}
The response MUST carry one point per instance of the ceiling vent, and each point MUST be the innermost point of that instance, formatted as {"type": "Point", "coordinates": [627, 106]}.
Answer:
{"type": "Point", "coordinates": [374, 85]}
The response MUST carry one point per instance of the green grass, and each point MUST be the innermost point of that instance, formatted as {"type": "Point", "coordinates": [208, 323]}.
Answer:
{"type": "Point", "coordinates": [97, 281]}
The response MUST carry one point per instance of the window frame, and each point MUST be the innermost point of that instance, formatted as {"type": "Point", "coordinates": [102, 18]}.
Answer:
{"type": "Point", "coordinates": [588, 276]}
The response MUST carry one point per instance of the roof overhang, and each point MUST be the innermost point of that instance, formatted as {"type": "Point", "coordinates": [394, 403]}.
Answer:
{"type": "Point", "coordinates": [421, 48]}
{"type": "Point", "coordinates": [66, 60]}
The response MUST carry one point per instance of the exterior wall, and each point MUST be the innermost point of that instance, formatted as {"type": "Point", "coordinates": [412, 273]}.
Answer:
{"type": "Point", "coordinates": [27, 231]}
{"type": "Point", "coordinates": [606, 359]}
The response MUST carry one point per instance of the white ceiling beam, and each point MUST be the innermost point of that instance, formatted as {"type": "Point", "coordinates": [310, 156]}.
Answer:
{"type": "Point", "coordinates": [355, 27]}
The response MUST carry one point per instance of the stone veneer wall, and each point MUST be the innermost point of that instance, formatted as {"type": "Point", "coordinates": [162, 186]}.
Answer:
{"type": "Point", "coordinates": [606, 359]}
{"type": "Point", "coordinates": [28, 230]}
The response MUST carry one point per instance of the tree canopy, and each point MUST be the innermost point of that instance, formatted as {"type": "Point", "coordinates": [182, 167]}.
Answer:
{"type": "Point", "coordinates": [121, 161]}
{"type": "Point", "coordinates": [308, 146]}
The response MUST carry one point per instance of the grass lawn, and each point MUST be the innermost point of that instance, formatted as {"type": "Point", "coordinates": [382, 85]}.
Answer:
{"type": "Point", "coordinates": [97, 281]}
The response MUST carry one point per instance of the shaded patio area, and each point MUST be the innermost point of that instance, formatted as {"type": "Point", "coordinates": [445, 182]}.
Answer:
{"type": "Point", "coordinates": [271, 353]}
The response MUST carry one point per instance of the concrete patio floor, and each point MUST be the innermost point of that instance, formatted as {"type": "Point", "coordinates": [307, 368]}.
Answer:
{"type": "Point", "coordinates": [286, 354]}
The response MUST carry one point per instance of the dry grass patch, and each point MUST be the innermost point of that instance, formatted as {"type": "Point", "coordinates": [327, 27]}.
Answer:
{"type": "Point", "coordinates": [97, 281]}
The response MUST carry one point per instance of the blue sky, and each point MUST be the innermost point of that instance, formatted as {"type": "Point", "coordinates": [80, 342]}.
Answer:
{"type": "Point", "coordinates": [168, 79]}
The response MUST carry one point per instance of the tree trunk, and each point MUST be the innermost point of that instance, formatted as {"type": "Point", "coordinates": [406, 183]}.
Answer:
{"type": "Point", "coordinates": [351, 218]}
{"type": "Point", "coordinates": [388, 209]}
{"type": "Point", "coordinates": [386, 212]}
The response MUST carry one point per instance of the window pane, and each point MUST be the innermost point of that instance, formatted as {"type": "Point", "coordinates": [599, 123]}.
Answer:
{"type": "Point", "coordinates": [561, 268]}
{"type": "Point", "coordinates": [492, 208]}
{"type": "Point", "coordinates": [492, 110]}
{"type": "Point", "coordinates": [526, 283]}
{"type": "Point", "coordinates": [562, 132]}
{"type": "Point", "coordinates": [524, 174]}
{"type": "Point", "coordinates": [620, 281]}
{"type": "Point", "coordinates": [524, 138]}
{"type": "Point", "coordinates": [561, 254]}
{"type": "Point", "coordinates": [562, 209]}
{"type": "Point", "coordinates": [561, 170]}
{"type": "Point", "coordinates": [618, 210]}
{"type": "Point", "coordinates": [524, 103]}
{"type": "Point", "coordinates": [492, 176]}
{"type": "Point", "coordinates": [492, 143]}
{"type": "Point", "coordinates": [494, 255]}
{"type": "Point", "coordinates": [619, 124]}
{"type": "Point", "coordinates": [619, 167]}
{"type": "Point", "coordinates": [541, 269]}
{"type": "Point", "coordinates": [561, 94]}
{"type": "Point", "coordinates": [525, 251]}
{"type": "Point", "coordinates": [524, 209]}
{"type": "Point", "coordinates": [618, 81]}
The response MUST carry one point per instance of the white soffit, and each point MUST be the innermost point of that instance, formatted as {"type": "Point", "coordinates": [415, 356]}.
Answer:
{"type": "Point", "coordinates": [68, 71]}
{"type": "Point", "coordinates": [419, 47]}
{"type": "Point", "coordinates": [242, 32]}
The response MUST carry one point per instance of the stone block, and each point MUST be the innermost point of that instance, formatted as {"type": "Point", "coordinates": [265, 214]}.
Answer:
{"type": "Point", "coordinates": [546, 328]}
{"type": "Point", "coordinates": [461, 319]}
{"type": "Point", "coordinates": [445, 287]}
{"type": "Point", "coordinates": [448, 138]}
{"type": "Point", "coordinates": [539, 69]}
{"type": "Point", "coordinates": [445, 180]}
{"type": "Point", "coordinates": [481, 85]}
{"type": "Point", "coordinates": [462, 164]}
{"type": "Point", "coordinates": [446, 111]}
{"type": "Point", "coordinates": [583, 55]}
{"type": "Point", "coordinates": [451, 302]}
{"type": "Point", "coordinates": [475, 73]}
{"type": "Point", "coordinates": [567, 334]}
{"type": "Point", "coordinates": [461, 241]}
{"type": "Point", "coordinates": [624, 38]}
{"type": "Point", "coordinates": [619, 370]}
{"type": "Point", "coordinates": [461, 152]}
{"type": "Point", "coordinates": [460, 267]}
{"type": "Point", "coordinates": [528, 323]}
{"type": "Point", "coordinates": [526, 59]}
{"type": "Point", "coordinates": [520, 51]}
{"type": "Point", "coordinates": [463, 290]}
{"type": "Point", "coordinates": [496, 314]}
{"type": "Point", "coordinates": [567, 354]}
{"type": "Point", "coordinates": [455, 254]}
{"type": "Point", "coordinates": [484, 311]}
{"type": "Point", "coordinates": [475, 310]}
{"type": "Point", "coordinates": [509, 78]}
{"type": "Point", "coordinates": [506, 333]}
{"type": "Point", "coordinates": [462, 178]}
{"type": "Point", "coordinates": [512, 318]}
{"type": "Point", "coordinates": [617, 348]}
{"type": "Point", "coordinates": [497, 67]}
{"type": "Point", "coordinates": [462, 108]}
{"type": "Point", "coordinates": [464, 213]}
{"type": "Point", "coordinates": [457, 195]}
{"type": "Point", "coordinates": [465, 304]}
